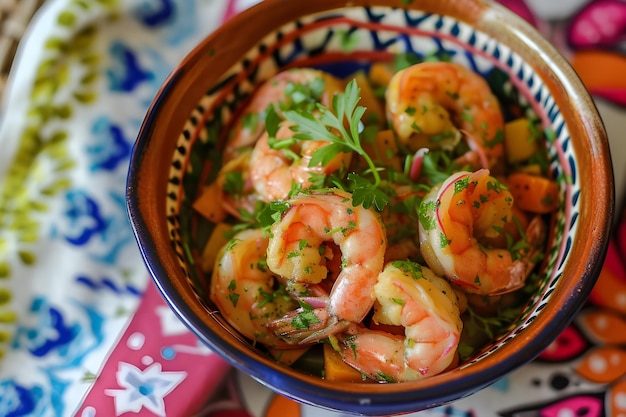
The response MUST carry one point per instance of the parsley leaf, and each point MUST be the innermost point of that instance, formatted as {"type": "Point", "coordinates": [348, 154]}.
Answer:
{"type": "Point", "coordinates": [305, 317]}
{"type": "Point", "coordinates": [341, 126]}
{"type": "Point", "coordinates": [234, 183]}
{"type": "Point", "coordinates": [325, 154]}
{"type": "Point", "coordinates": [427, 214]}
{"type": "Point", "coordinates": [272, 121]}
{"type": "Point", "coordinates": [366, 194]}
{"type": "Point", "coordinates": [272, 213]}
{"type": "Point", "coordinates": [409, 268]}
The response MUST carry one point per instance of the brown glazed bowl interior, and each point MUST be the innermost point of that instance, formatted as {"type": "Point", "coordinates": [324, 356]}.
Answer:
{"type": "Point", "coordinates": [203, 92]}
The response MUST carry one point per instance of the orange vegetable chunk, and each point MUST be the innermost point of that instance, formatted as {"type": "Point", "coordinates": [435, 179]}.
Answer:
{"type": "Point", "coordinates": [533, 193]}
{"type": "Point", "coordinates": [336, 369]}
{"type": "Point", "coordinates": [288, 356]}
{"type": "Point", "coordinates": [208, 203]}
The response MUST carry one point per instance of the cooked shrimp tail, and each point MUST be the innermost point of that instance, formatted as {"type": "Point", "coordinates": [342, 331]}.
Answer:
{"type": "Point", "coordinates": [308, 84]}
{"type": "Point", "coordinates": [425, 306]}
{"type": "Point", "coordinates": [252, 170]}
{"type": "Point", "coordinates": [300, 239]}
{"type": "Point", "coordinates": [436, 104]}
{"type": "Point", "coordinates": [304, 326]}
{"type": "Point", "coordinates": [274, 172]}
{"type": "Point", "coordinates": [244, 290]}
{"type": "Point", "coordinates": [455, 216]}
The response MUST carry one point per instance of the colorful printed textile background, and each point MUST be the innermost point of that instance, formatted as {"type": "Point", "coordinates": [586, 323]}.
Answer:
{"type": "Point", "coordinates": [77, 309]}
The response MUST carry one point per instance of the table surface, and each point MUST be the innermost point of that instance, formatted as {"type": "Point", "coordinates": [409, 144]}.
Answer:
{"type": "Point", "coordinates": [77, 309]}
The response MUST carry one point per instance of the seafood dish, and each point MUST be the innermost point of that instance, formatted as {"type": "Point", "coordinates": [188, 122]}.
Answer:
{"type": "Point", "coordinates": [381, 226]}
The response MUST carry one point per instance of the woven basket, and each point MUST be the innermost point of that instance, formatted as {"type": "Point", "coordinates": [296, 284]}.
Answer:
{"type": "Point", "coordinates": [14, 18]}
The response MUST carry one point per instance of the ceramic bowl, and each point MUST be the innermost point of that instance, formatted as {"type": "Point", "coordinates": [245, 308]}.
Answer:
{"type": "Point", "coordinates": [177, 146]}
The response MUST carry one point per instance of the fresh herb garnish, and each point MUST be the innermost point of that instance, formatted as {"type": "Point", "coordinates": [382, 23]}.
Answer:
{"type": "Point", "coordinates": [305, 317]}
{"type": "Point", "coordinates": [329, 124]}
{"type": "Point", "coordinates": [302, 96]}
{"type": "Point", "coordinates": [272, 121]}
{"type": "Point", "coordinates": [234, 183]}
{"type": "Point", "coordinates": [271, 213]}
{"type": "Point", "coordinates": [409, 268]}
{"type": "Point", "coordinates": [232, 296]}
{"type": "Point", "coordinates": [427, 214]}
{"type": "Point", "coordinates": [478, 329]}
{"type": "Point", "coordinates": [363, 193]}
{"type": "Point", "coordinates": [437, 166]}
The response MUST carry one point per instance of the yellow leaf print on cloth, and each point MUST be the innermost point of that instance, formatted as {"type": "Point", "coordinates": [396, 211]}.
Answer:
{"type": "Point", "coordinates": [38, 171]}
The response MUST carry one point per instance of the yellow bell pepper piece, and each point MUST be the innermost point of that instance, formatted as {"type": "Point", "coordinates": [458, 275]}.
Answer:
{"type": "Point", "coordinates": [519, 141]}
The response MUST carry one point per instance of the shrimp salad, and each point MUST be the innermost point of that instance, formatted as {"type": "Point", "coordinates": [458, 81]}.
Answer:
{"type": "Point", "coordinates": [382, 227]}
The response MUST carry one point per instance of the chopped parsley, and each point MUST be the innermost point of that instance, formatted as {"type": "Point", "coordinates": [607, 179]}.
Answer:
{"type": "Point", "coordinates": [272, 213]}
{"type": "Point", "coordinates": [340, 126]}
{"type": "Point", "coordinates": [409, 268]}
{"type": "Point", "coordinates": [232, 296]}
{"type": "Point", "coordinates": [305, 317]}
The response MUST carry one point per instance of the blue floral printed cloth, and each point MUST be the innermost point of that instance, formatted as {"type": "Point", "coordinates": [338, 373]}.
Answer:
{"type": "Point", "coordinates": [75, 296]}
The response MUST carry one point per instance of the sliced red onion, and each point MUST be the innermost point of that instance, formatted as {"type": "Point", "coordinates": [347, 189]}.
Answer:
{"type": "Point", "coordinates": [416, 167]}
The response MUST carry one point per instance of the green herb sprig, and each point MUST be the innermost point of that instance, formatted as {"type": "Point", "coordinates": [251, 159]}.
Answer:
{"type": "Point", "coordinates": [479, 329]}
{"type": "Point", "coordinates": [340, 125]}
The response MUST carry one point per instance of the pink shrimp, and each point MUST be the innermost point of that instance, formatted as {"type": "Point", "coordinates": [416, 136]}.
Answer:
{"type": "Point", "coordinates": [242, 288]}
{"type": "Point", "coordinates": [296, 252]}
{"type": "Point", "coordinates": [236, 190]}
{"type": "Point", "coordinates": [284, 90]}
{"type": "Point", "coordinates": [455, 216]}
{"type": "Point", "coordinates": [432, 104]}
{"type": "Point", "coordinates": [274, 173]}
{"type": "Point", "coordinates": [426, 307]}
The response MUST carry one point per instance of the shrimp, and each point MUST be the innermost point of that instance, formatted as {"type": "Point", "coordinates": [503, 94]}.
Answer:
{"type": "Point", "coordinates": [311, 225]}
{"type": "Point", "coordinates": [242, 288]}
{"type": "Point", "coordinates": [236, 190]}
{"type": "Point", "coordinates": [431, 104]}
{"type": "Point", "coordinates": [426, 307]}
{"type": "Point", "coordinates": [274, 173]}
{"type": "Point", "coordinates": [453, 219]}
{"type": "Point", "coordinates": [287, 89]}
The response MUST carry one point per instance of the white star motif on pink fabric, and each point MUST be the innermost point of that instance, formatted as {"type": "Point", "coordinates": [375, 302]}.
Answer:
{"type": "Point", "coordinates": [147, 388]}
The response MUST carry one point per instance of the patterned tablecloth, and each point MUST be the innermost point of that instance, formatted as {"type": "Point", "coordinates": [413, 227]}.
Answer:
{"type": "Point", "coordinates": [83, 331]}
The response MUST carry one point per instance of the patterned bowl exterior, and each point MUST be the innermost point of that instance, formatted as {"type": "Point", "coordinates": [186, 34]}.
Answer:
{"type": "Point", "coordinates": [341, 40]}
